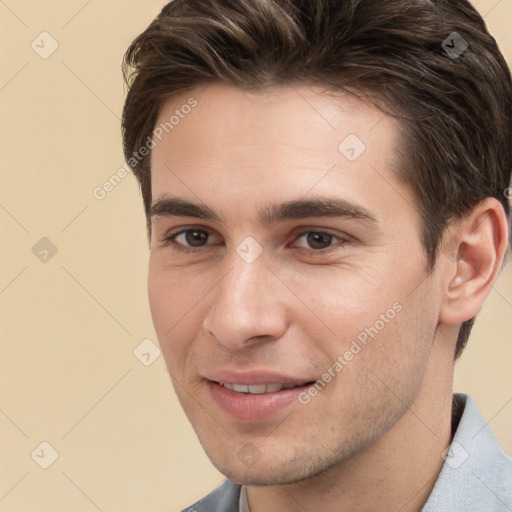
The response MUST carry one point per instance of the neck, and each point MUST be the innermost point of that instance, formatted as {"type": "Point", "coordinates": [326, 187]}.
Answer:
{"type": "Point", "coordinates": [397, 472]}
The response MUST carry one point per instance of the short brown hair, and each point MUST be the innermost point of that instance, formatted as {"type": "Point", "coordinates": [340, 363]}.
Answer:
{"type": "Point", "coordinates": [455, 107]}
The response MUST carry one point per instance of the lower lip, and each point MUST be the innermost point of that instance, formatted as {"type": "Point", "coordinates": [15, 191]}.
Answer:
{"type": "Point", "coordinates": [248, 407]}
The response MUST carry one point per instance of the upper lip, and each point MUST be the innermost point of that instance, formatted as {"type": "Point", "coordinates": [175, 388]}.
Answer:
{"type": "Point", "coordinates": [253, 377]}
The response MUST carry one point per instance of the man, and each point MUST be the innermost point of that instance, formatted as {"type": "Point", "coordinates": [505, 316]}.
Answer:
{"type": "Point", "coordinates": [325, 184]}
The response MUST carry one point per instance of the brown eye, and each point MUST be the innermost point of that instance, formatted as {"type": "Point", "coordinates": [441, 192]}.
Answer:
{"type": "Point", "coordinates": [195, 237]}
{"type": "Point", "coordinates": [188, 240]}
{"type": "Point", "coordinates": [318, 241]}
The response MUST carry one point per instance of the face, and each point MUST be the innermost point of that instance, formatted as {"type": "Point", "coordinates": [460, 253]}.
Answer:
{"type": "Point", "coordinates": [287, 280]}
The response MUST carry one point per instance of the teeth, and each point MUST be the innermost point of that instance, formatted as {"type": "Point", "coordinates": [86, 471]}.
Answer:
{"type": "Point", "coordinates": [257, 389]}
{"type": "Point", "coordinates": [240, 388]}
{"type": "Point", "coordinates": [271, 388]}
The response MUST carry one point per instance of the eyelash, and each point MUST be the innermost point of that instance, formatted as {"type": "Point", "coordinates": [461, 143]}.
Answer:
{"type": "Point", "coordinates": [176, 246]}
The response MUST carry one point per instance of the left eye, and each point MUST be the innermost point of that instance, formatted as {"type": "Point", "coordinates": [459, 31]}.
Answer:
{"type": "Point", "coordinates": [319, 240]}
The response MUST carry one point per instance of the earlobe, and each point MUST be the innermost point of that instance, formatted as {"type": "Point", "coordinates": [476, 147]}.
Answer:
{"type": "Point", "coordinates": [479, 244]}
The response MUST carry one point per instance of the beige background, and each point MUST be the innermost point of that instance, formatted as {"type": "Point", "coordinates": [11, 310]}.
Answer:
{"type": "Point", "coordinates": [69, 326]}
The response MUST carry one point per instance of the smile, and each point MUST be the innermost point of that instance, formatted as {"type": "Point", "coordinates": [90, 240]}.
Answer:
{"type": "Point", "coordinates": [257, 389]}
{"type": "Point", "coordinates": [254, 402]}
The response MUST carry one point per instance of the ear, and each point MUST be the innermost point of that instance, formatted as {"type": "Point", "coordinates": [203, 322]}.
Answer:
{"type": "Point", "coordinates": [476, 246]}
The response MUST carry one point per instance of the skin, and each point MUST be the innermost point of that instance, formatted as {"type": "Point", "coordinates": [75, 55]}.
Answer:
{"type": "Point", "coordinates": [373, 437]}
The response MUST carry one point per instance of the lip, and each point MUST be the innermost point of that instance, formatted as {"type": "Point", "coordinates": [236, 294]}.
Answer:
{"type": "Point", "coordinates": [249, 407]}
{"type": "Point", "coordinates": [254, 377]}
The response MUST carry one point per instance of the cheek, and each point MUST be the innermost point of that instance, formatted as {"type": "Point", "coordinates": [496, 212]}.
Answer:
{"type": "Point", "coordinates": [177, 300]}
{"type": "Point", "coordinates": [345, 300]}
{"type": "Point", "coordinates": [170, 292]}
{"type": "Point", "coordinates": [161, 300]}
{"type": "Point", "coordinates": [166, 312]}
{"type": "Point", "coordinates": [398, 355]}
{"type": "Point", "coordinates": [378, 382]}
{"type": "Point", "coordinates": [170, 302]}
{"type": "Point", "coordinates": [380, 327]}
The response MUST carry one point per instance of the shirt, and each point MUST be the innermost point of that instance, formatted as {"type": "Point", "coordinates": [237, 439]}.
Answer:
{"type": "Point", "coordinates": [476, 475]}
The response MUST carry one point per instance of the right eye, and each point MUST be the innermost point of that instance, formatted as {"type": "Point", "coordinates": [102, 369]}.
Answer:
{"type": "Point", "coordinates": [188, 240]}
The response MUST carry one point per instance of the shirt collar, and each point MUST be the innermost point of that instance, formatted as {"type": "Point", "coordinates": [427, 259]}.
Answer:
{"type": "Point", "coordinates": [476, 474]}
{"type": "Point", "coordinates": [244, 504]}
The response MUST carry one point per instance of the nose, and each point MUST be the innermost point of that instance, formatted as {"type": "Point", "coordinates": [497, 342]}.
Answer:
{"type": "Point", "coordinates": [248, 305]}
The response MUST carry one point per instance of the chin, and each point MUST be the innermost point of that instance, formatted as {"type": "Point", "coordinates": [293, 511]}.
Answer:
{"type": "Point", "coordinates": [261, 476]}
{"type": "Point", "coordinates": [279, 469]}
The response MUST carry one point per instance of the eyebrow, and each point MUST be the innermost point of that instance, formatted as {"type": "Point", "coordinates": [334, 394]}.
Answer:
{"type": "Point", "coordinates": [272, 214]}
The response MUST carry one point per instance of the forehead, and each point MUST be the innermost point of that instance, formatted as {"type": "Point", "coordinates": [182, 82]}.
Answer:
{"type": "Point", "coordinates": [235, 147]}
{"type": "Point", "coordinates": [278, 113]}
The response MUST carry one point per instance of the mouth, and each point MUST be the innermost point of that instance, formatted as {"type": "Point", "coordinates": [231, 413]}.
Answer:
{"type": "Point", "coordinates": [260, 389]}
{"type": "Point", "coordinates": [252, 398]}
